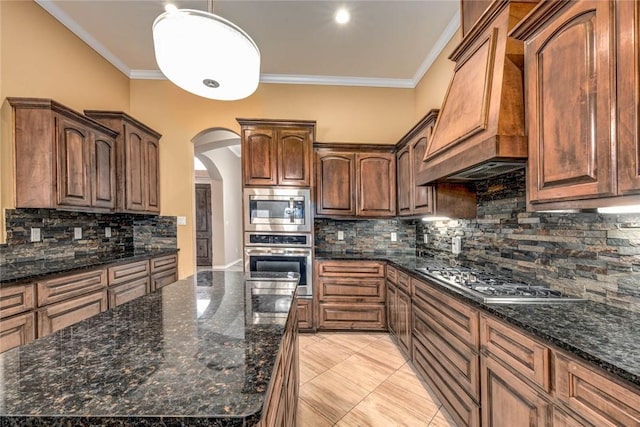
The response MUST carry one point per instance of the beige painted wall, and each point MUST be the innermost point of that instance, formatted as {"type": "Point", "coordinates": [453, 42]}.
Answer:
{"type": "Point", "coordinates": [433, 86]}
{"type": "Point", "coordinates": [39, 57]}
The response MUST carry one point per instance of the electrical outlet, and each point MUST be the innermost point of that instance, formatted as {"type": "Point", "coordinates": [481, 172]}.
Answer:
{"type": "Point", "coordinates": [340, 235]}
{"type": "Point", "coordinates": [394, 236]}
{"type": "Point", "coordinates": [35, 234]}
{"type": "Point", "coordinates": [426, 238]}
{"type": "Point", "coordinates": [107, 232]}
{"type": "Point", "coordinates": [182, 220]}
{"type": "Point", "coordinates": [456, 245]}
{"type": "Point", "coordinates": [77, 233]}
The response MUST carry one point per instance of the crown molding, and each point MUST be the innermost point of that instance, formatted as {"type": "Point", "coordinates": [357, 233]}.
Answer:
{"type": "Point", "coordinates": [336, 81]}
{"type": "Point", "coordinates": [84, 35]}
{"type": "Point", "coordinates": [446, 36]}
{"type": "Point", "coordinates": [147, 75]}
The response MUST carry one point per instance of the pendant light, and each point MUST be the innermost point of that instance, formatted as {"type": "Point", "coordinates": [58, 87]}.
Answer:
{"type": "Point", "coordinates": [205, 54]}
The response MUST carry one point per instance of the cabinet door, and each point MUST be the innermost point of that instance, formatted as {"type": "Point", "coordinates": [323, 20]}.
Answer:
{"type": "Point", "coordinates": [392, 308]}
{"type": "Point", "coordinates": [403, 304]}
{"type": "Point", "coordinates": [294, 157]}
{"type": "Point", "coordinates": [507, 401]}
{"type": "Point", "coordinates": [259, 156]}
{"type": "Point", "coordinates": [73, 142]}
{"type": "Point", "coordinates": [336, 184]}
{"type": "Point", "coordinates": [404, 182]}
{"type": "Point", "coordinates": [151, 181]}
{"type": "Point", "coordinates": [305, 314]}
{"type": "Point", "coordinates": [422, 195]}
{"type": "Point", "coordinates": [103, 172]}
{"type": "Point", "coordinates": [342, 316]}
{"type": "Point", "coordinates": [134, 170]}
{"type": "Point", "coordinates": [569, 105]}
{"type": "Point", "coordinates": [376, 183]}
{"type": "Point", "coordinates": [17, 330]}
{"type": "Point", "coordinates": [629, 97]}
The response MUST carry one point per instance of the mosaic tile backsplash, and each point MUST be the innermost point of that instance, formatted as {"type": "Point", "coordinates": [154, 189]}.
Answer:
{"type": "Point", "coordinates": [128, 232]}
{"type": "Point", "coordinates": [372, 235]}
{"type": "Point", "coordinates": [595, 256]}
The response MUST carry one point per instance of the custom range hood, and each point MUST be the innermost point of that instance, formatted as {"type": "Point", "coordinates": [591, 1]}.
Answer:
{"type": "Point", "coordinates": [480, 131]}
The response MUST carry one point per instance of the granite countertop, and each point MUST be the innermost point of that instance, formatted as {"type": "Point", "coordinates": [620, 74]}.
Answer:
{"type": "Point", "coordinates": [16, 272]}
{"type": "Point", "coordinates": [193, 353]}
{"type": "Point", "coordinates": [606, 336]}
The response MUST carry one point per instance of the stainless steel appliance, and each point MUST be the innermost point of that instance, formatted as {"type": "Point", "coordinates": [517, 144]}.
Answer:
{"type": "Point", "coordinates": [281, 252]}
{"type": "Point", "coordinates": [492, 288]}
{"type": "Point", "coordinates": [277, 209]}
{"type": "Point", "coordinates": [271, 296]}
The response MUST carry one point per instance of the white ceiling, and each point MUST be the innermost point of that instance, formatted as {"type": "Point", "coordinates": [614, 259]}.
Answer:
{"type": "Point", "coordinates": [388, 43]}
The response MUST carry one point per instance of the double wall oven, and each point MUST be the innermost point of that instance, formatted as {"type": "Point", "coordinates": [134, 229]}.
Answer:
{"type": "Point", "coordinates": [278, 233]}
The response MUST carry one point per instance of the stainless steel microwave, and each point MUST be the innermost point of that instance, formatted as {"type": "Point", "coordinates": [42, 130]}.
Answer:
{"type": "Point", "coordinates": [277, 209]}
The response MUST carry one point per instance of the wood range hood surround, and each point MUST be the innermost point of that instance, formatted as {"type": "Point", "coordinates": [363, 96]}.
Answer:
{"type": "Point", "coordinates": [480, 131]}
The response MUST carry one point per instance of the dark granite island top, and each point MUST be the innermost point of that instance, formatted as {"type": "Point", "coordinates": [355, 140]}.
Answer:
{"type": "Point", "coordinates": [190, 354]}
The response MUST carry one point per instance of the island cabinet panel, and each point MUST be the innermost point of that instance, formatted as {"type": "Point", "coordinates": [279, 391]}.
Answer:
{"type": "Point", "coordinates": [305, 315]}
{"type": "Point", "coordinates": [54, 317]}
{"type": "Point", "coordinates": [138, 162]}
{"type": "Point", "coordinates": [69, 286]}
{"type": "Point", "coordinates": [16, 299]}
{"type": "Point", "coordinates": [17, 330]}
{"type": "Point", "coordinates": [594, 396]}
{"type": "Point", "coordinates": [277, 152]}
{"type": "Point", "coordinates": [336, 184]}
{"type": "Point", "coordinates": [445, 350]}
{"type": "Point", "coordinates": [507, 401]}
{"type": "Point", "coordinates": [63, 159]}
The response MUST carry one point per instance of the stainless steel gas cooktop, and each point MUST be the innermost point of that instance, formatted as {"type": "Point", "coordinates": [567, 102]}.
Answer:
{"type": "Point", "coordinates": [494, 289]}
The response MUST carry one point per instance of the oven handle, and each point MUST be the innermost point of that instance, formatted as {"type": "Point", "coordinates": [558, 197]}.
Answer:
{"type": "Point", "coordinates": [260, 251]}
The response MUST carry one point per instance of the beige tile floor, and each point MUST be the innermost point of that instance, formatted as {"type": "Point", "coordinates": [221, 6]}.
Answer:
{"type": "Point", "coordinates": [362, 380]}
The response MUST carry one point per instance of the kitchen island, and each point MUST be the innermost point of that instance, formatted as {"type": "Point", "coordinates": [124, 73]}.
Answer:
{"type": "Point", "coordinates": [192, 353]}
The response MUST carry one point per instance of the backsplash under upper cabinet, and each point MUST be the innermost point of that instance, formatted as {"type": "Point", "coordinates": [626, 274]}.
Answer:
{"type": "Point", "coordinates": [592, 255]}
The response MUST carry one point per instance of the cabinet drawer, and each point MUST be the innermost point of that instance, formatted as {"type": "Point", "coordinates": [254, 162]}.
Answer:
{"type": "Point", "coordinates": [392, 274]}
{"type": "Point", "coordinates": [164, 263]}
{"type": "Point", "coordinates": [354, 290]}
{"type": "Point", "coordinates": [17, 330]}
{"type": "Point", "coordinates": [125, 272]}
{"type": "Point", "coordinates": [128, 291]}
{"type": "Point", "coordinates": [305, 314]}
{"type": "Point", "coordinates": [519, 352]}
{"type": "Point", "coordinates": [351, 316]}
{"type": "Point", "coordinates": [594, 396]}
{"type": "Point", "coordinates": [404, 282]}
{"type": "Point", "coordinates": [464, 410]}
{"type": "Point", "coordinates": [16, 299]}
{"type": "Point", "coordinates": [350, 269]}
{"type": "Point", "coordinates": [62, 288]}
{"type": "Point", "coordinates": [455, 316]}
{"type": "Point", "coordinates": [460, 362]}
{"type": "Point", "coordinates": [163, 278]}
{"type": "Point", "coordinates": [60, 315]}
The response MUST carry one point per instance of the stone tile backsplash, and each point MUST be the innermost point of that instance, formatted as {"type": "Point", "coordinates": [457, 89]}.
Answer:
{"type": "Point", "coordinates": [595, 256]}
{"type": "Point", "coordinates": [371, 235]}
{"type": "Point", "coordinates": [128, 232]}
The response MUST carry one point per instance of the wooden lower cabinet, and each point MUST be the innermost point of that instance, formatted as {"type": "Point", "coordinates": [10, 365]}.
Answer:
{"type": "Point", "coordinates": [17, 330]}
{"type": "Point", "coordinates": [56, 316]}
{"type": "Point", "coordinates": [507, 401]}
{"type": "Point", "coordinates": [162, 279]}
{"type": "Point", "coordinates": [305, 315]}
{"type": "Point", "coordinates": [129, 291]}
{"type": "Point", "coordinates": [16, 299]}
{"type": "Point", "coordinates": [350, 295]}
{"type": "Point", "coordinates": [127, 272]}
{"type": "Point", "coordinates": [69, 286]}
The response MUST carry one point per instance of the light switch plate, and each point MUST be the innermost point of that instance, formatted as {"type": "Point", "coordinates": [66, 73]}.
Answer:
{"type": "Point", "coordinates": [340, 235]}
{"type": "Point", "coordinates": [426, 238]}
{"type": "Point", "coordinates": [394, 236]}
{"type": "Point", "coordinates": [107, 232]}
{"type": "Point", "coordinates": [77, 233]}
{"type": "Point", "coordinates": [182, 220]}
{"type": "Point", "coordinates": [35, 235]}
{"type": "Point", "coordinates": [456, 245]}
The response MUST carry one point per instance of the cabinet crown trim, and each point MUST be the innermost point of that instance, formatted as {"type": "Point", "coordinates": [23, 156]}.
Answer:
{"type": "Point", "coordinates": [104, 114]}
{"type": "Point", "coordinates": [275, 122]}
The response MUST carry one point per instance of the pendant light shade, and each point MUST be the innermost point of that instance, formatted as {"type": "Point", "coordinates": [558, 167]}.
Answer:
{"type": "Point", "coordinates": [206, 55]}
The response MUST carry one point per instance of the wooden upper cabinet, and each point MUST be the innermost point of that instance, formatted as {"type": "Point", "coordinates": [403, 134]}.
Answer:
{"type": "Point", "coordinates": [404, 181]}
{"type": "Point", "coordinates": [376, 183]}
{"type": "Point", "coordinates": [62, 158]}
{"type": "Point", "coordinates": [422, 195]}
{"type": "Point", "coordinates": [470, 11]}
{"type": "Point", "coordinates": [138, 162]}
{"type": "Point", "coordinates": [277, 153]}
{"type": "Point", "coordinates": [628, 80]}
{"type": "Point", "coordinates": [569, 101]}
{"type": "Point", "coordinates": [336, 187]}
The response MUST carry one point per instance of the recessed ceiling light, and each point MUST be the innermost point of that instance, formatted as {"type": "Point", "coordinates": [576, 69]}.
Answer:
{"type": "Point", "coordinates": [342, 16]}
{"type": "Point", "coordinates": [170, 7]}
